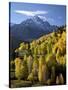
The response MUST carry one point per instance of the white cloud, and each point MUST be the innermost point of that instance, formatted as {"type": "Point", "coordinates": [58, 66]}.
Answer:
{"type": "Point", "coordinates": [31, 13]}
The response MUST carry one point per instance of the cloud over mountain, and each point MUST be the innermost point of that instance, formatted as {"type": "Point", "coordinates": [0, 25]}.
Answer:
{"type": "Point", "coordinates": [31, 13]}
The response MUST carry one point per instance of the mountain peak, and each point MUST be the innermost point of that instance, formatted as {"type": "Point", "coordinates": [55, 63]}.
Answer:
{"type": "Point", "coordinates": [36, 18]}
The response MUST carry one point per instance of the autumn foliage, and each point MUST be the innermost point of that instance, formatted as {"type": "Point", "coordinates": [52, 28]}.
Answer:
{"type": "Point", "coordinates": [42, 61]}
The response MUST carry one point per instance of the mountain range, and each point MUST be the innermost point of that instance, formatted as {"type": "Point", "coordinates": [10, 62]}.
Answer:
{"type": "Point", "coordinates": [29, 30]}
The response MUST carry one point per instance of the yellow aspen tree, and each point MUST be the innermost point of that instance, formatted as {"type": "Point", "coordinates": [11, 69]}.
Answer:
{"type": "Point", "coordinates": [44, 73]}
{"type": "Point", "coordinates": [29, 63]}
{"type": "Point", "coordinates": [18, 68]}
{"type": "Point", "coordinates": [41, 68]}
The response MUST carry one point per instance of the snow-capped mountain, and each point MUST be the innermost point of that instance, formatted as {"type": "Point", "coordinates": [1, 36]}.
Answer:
{"type": "Point", "coordinates": [29, 30]}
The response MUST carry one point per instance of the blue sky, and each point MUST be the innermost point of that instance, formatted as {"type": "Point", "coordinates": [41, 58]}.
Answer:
{"type": "Point", "coordinates": [54, 14]}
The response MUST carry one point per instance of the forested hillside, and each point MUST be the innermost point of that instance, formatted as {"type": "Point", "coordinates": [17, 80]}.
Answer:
{"type": "Point", "coordinates": [40, 62]}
